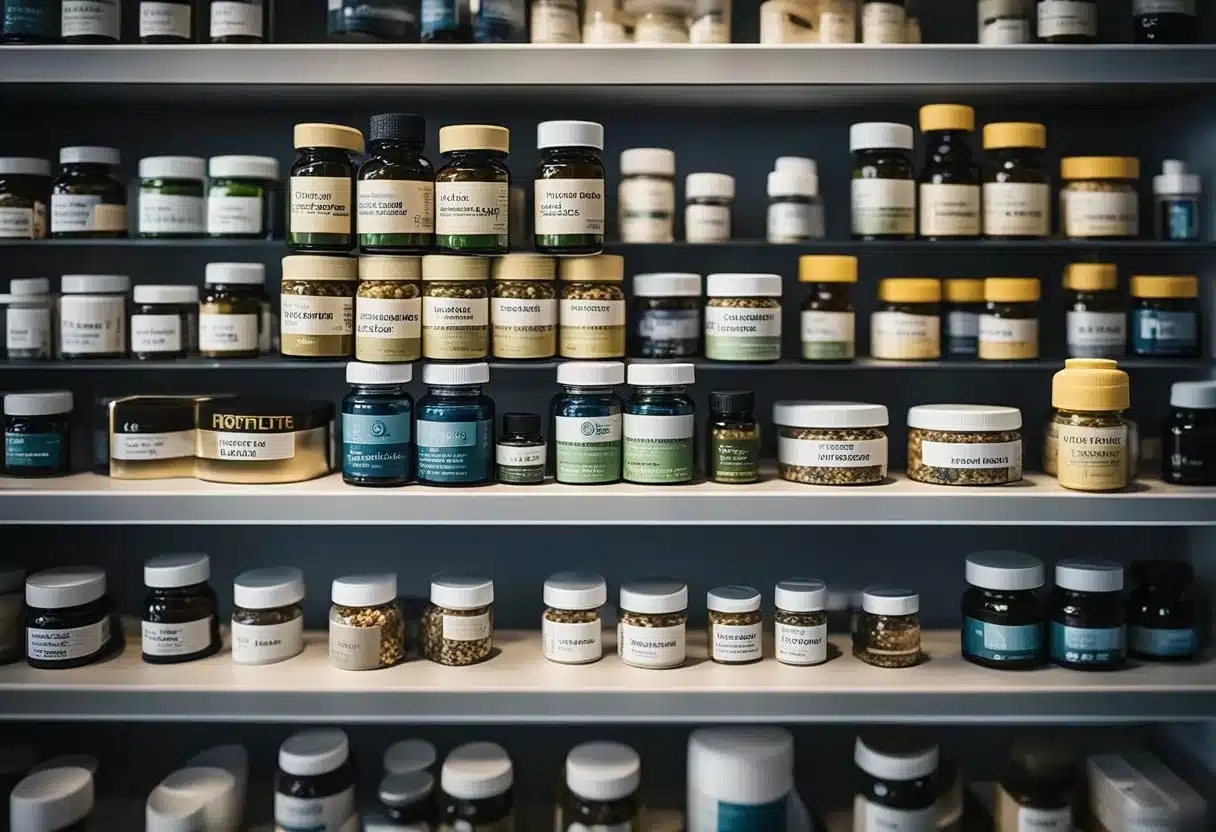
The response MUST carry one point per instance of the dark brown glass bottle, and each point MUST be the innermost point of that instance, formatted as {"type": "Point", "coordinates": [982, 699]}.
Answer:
{"type": "Point", "coordinates": [472, 191]}
{"type": "Point", "coordinates": [396, 188]}
{"type": "Point", "coordinates": [319, 211]}
{"type": "Point", "coordinates": [949, 189]}
{"type": "Point", "coordinates": [569, 213]}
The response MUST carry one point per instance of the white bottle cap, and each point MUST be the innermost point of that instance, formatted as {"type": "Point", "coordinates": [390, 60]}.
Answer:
{"type": "Point", "coordinates": [315, 751]}
{"type": "Point", "coordinates": [24, 166]}
{"type": "Point", "coordinates": [1197, 395]}
{"type": "Point", "coordinates": [402, 790]}
{"type": "Point", "coordinates": [456, 375]}
{"type": "Point", "coordinates": [165, 294]}
{"type": "Point", "coordinates": [569, 134]}
{"type": "Point", "coordinates": [461, 592]}
{"type": "Point", "coordinates": [477, 771]}
{"type": "Point", "coordinates": [792, 183]}
{"type": "Point", "coordinates": [1005, 571]}
{"type": "Point", "coordinates": [38, 403]}
{"type": "Point", "coordinates": [172, 167]}
{"type": "Point", "coordinates": [269, 588]}
{"type": "Point", "coordinates": [655, 161]}
{"type": "Point", "coordinates": [175, 571]}
{"type": "Point", "coordinates": [749, 766]}
{"type": "Point", "coordinates": [65, 586]}
{"type": "Point", "coordinates": [53, 798]}
{"type": "Point", "coordinates": [603, 771]}
{"type": "Point", "coordinates": [1174, 180]}
{"type": "Point", "coordinates": [242, 274]}
{"type": "Point", "coordinates": [896, 757]}
{"type": "Point", "coordinates": [204, 794]}
{"type": "Point", "coordinates": [667, 285]}
{"type": "Point", "coordinates": [82, 155]}
{"type": "Point", "coordinates": [661, 375]}
{"type": "Point", "coordinates": [409, 756]}
{"type": "Point", "coordinates": [733, 598]}
{"type": "Point", "coordinates": [802, 164]}
{"type": "Point", "coordinates": [801, 595]}
{"type": "Point", "coordinates": [358, 372]}
{"type": "Point", "coordinates": [967, 418]}
{"type": "Point", "coordinates": [882, 600]}
{"type": "Point", "coordinates": [880, 135]}
{"type": "Point", "coordinates": [709, 186]}
{"type": "Point", "coordinates": [830, 415]}
{"type": "Point", "coordinates": [364, 590]}
{"type": "Point", "coordinates": [1089, 575]}
{"type": "Point", "coordinates": [654, 596]}
{"type": "Point", "coordinates": [30, 286]}
{"type": "Point", "coordinates": [730, 285]}
{"type": "Point", "coordinates": [83, 284]}
{"type": "Point", "coordinates": [575, 591]}
{"type": "Point", "coordinates": [243, 167]}
{"type": "Point", "coordinates": [590, 373]}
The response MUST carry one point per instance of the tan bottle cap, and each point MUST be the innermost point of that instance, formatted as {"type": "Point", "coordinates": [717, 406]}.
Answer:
{"type": "Point", "coordinates": [1011, 289]}
{"type": "Point", "coordinates": [452, 267]}
{"type": "Point", "coordinates": [965, 290]}
{"type": "Point", "coordinates": [1090, 390]}
{"type": "Point", "coordinates": [1091, 364]}
{"type": "Point", "coordinates": [390, 267]}
{"type": "Point", "coordinates": [1100, 167]}
{"type": "Point", "coordinates": [910, 290]}
{"type": "Point", "coordinates": [474, 137]}
{"type": "Point", "coordinates": [312, 134]}
{"type": "Point", "coordinates": [319, 267]}
{"type": "Point", "coordinates": [524, 267]}
{"type": "Point", "coordinates": [947, 117]}
{"type": "Point", "coordinates": [1003, 134]}
{"type": "Point", "coordinates": [1090, 277]}
{"type": "Point", "coordinates": [1165, 286]}
{"type": "Point", "coordinates": [827, 268]}
{"type": "Point", "coordinates": [602, 268]}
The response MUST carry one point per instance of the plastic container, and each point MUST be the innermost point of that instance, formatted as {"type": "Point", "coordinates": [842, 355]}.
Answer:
{"type": "Point", "coordinates": [377, 425]}
{"type": "Point", "coordinates": [366, 625]}
{"type": "Point", "coordinates": [455, 430]}
{"type": "Point", "coordinates": [67, 618]}
{"type": "Point", "coordinates": [659, 427]}
{"type": "Point", "coordinates": [743, 317]}
{"type": "Point", "coordinates": [1188, 453]}
{"type": "Point", "coordinates": [831, 443]}
{"type": "Point", "coordinates": [961, 444]}
{"type": "Point", "coordinates": [739, 777]}
{"type": "Point", "coordinates": [887, 631]}
{"type": "Point", "coordinates": [1088, 620]}
{"type": "Point", "coordinates": [267, 619]}
{"type": "Point", "coordinates": [587, 423]}
{"type": "Point", "coordinates": [38, 434]}
{"type": "Point", "coordinates": [458, 625]}
{"type": "Point", "coordinates": [179, 620]}
{"type": "Point", "coordinates": [1004, 617]}
{"type": "Point", "coordinates": [795, 208]}
{"type": "Point", "coordinates": [30, 323]}
{"type": "Point", "coordinates": [314, 786]}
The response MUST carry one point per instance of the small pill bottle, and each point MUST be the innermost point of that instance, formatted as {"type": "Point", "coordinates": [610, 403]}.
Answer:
{"type": "Point", "coordinates": [708, 203]}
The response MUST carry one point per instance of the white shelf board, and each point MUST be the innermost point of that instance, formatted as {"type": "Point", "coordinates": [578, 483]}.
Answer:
{"type": "Point", "coordinates": [89, 499]}
{"type": "Point", "coordinates": [518, 685]}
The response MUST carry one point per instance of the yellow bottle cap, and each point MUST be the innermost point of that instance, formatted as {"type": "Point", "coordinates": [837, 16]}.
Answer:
{"type": "Point", "coordinates": [474, 137]}
{"type": "Point", "coordinates": [1091, 390]}
{"type": "Point", "coordinates": [1100, 167]}
{"type": "Point", "coordinates": [599, 268]}
{"type": "Point", "coordinates": [1011, 289]}
{"type": "Point", "coordinates": [965, 290]}
{"type": "Point", "coordinates": [1003, 134]}
{"type": "Point", "coordinates": [947, 117]}
{"type": "Point", "coordinates": [452, 267]}
{"type": "Point", "coordinates": [1091, 364]}
{"type": "Point", "coordinates": [827, 268]}
{"type": "Point", "coordinates": [910, 290]}
{"type": "Point", "coordinates": [320, 267]}
{"type": "Point", "coordinates": [1091, 277]}
{"type": "Point", "coordinates": [328, 135]}
{"type": "Point", "coordinates": [1165, 286]}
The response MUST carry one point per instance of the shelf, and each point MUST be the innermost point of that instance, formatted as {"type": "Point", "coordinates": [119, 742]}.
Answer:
{"type": "Point", "coordinates": [520, 686]}
{"type": "Point", "coordinates": [89, 499]}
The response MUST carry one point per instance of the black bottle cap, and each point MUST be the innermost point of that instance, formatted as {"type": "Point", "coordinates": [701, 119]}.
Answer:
{"type": "Point", "coordinates": [520, 423]}
{"type": "Point", "coordinates": [403, 127]}
{"type": "Point", "coordinates": [732, 401]}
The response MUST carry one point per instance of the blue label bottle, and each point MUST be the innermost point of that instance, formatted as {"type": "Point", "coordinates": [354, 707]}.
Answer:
{"type": "Point", "coordinates": [37, 434]}
{"type": "Point", "coordinates": [1004, 619]}
{"type": "Point", "coordinates": [587, 422]}
{"type": "Point", "coordinates": [1162, 619]}
{"type": "Point", "coordinates": [377, 425]}
{"type": "Point", "coordinates": [455, 435]}
{"type": "Point", "coordinates": [1088, 620]}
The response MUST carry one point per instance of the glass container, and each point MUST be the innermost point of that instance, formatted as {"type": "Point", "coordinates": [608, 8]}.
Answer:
{"type": "Point", "coordinates": [1067, 21]}
{"type": "Point", "coordinates": [569, 188]}
{"type": "Point", "coordinates": [25, 191]}
{"type": "Point", "coordinates": [1092, 435]}
{"type": "Point", "coordinates": [1096, 316]}
{"type": "Point", "coordinates": [377, 425]}
{"type": "Point", "coordinates": [571, 627]}
{"type": "Point", "coordinates": [375, 21]}
{"type": "Point", "coordinates": [1088, 619]}
{"type": "Point", "coordinates": [366, 626]}
{"type": "Point", "coordinates": [1164, 21]}
{"type": "Point", "coordinates": [93, 316]}
{"type": "Point", "coordinates": [238, 21]}
{"type": "Point", "coordinates": [96, 22]}
{"type": "Point", "coordinates": [165, 22]}
{"type": "Point", "coordinates": [30, 324]}
{"type": "Point", "coordinates": [455, 431]}
{"type": "Point", "coordinates": [447, 21]}
{"type": "Point", "coordinates": [314, 786]}
{"type": "Point", "coordinates": [458, 624]}
{"type": "Point", "coordinates": [949, 182]}
{"type": "Point", "coordinates": [520, 453]}
{"type": "Point", "coordinates": [650, 631]}
{"type": "Point", "coordinates": [963, 444]}
{"type": "Point", "coordinates": [1166, 316]}
{"type": "Point", "coordinates": [87, 199]}
{"type": "Point", "coordinates": [899, 778]}
{"type": "Point", "coordinates": [171, 202]}
{"type": "Point", "coordinates": [164, 322]}
{"type": "Point", "coordinates": [232, 310]}
{"type": "Point", "coordinates": [884, 181]}
{"type": "Point", "coordinates": [602, 780]}
{"type": "Point", "coordinates": [388, 310]}
{"type": "Point", "coordinates": [743, 317]}
{"type": "Point", "coordinates": [828, 321]}
{"type": "Point", "coordinates": [592, 315]}
{"type": "Point", "coordinates": [67, 618]}
{"type": "Point", "coordinates": [1099, 199]}
{"type": "Point", "coordinates": [1177, 203]}
{"type": "Point", "coordinates": [267, 619]}
{"type": "Point", "coordinates": [317, 306]}
{"type": "Point", "coordinates": [907, 324]}
{"type": "Point", "coordinates": [455, 308]}
{"type": "Point", "coordinates": [1009, 325]}
{"type": "Point", "coordinates": [319, 212]}
{"type": "Point", "coordinates": [887, 630]}
{"type": "Point", "coordinates": [733, 438]}
{"type": "Point", "coordinates": [523, 307]}
{"type": "Point", "coordinates": [242, 197]}
{"type": "Point", "coordinates": [30, 22]}
{"type": "Point", "coordinates": [666, 315]}
{"type": "Point", "coordinates": [555, 21]}
{"type": "Point", "coordinates": [1038, 786]}
{"type": "Point", "coordinates": [795, 209]}
{"type": "Point", "coordinates": [659, 425]}
{"type": "Point", "coordinates": [709, 200]}
{"type": "Point", "coordinates": [800, 629]}
{"type": "Point", "coordinates": [1004, 618]}
{"type": "Point", "coordinates": [587, 423]}
{"type": "Point", "coordinates": [736, 625]}
{"type": "Point", "coordinates": [964, 305]}
{"type": "Point", "coordinates": [831, 443]}
{"type": "Point", "coordinates": [1005, 22]}
{"type": "Point", "coordinates": [38, 434]}
{"type": "Point", "coordinates": [179, 620]}
{"type": "Point", "coordinates": [472, 189]}
{"type": "Point", "coordinates": [1189, 437]}
{"type": "Point", "coordinates": [1162, 611]}
{"type": "Point", "coordinates": [1017, 186]}
{"type": "Point", "coordinates": [647, 195]}
{"type": "Point", "coordinates": [396, 188]}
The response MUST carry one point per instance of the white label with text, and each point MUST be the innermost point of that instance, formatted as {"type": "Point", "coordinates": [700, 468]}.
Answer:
{"type": "Point", "coordinates": [478, 208]}
{"type": "Point", "coordinates": [569, 206]}
{"type": "Point", "coordinates": [301, 315]}
{"type": "Point", "coordinates": [232, 19]}
{"type": "Point", "coordinates": [818, 453]}
{"type": "Point", "coordinates": [174, 444]}
{"type": "Point", "coordinates": [736, 642]}
{"type": "Point", "coordinates": [67, 644]}
{"type": "Point", "coordinates": [571, 643]}
{"type": "Point", "coordinates": [255, 446]}
{"type": "Point", "coordinates": [949, 210]}
{"type": "Point", "coordinates": [971, 455]}
{"type": "Point", "coordinates": [175, 639]}
{"type": "Point", "coordinates": [1017, 209]}
{"type": "Point", "coordinates": [264, 644]}
{"type": "Point", "coordinates": [651, 646]}
{"type": "Point", "coordinates": [801, 645]}
{"type": "Point", "coordinates": [156, 333]}
{"type": "Point", "coordinates": [228, 333]}
{"type": "Point", "coordinates": [466, 627]}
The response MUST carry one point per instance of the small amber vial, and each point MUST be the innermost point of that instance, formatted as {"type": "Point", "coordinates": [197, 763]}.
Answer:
{"type": "Point", "coordinates": [1096, 317]}
{"type": "Point", "coordinates": [828, 319]}
{"type": "Point", "coordinates": [1017, 186]}
{"type": "Point", "coordinates": [1009, 326]}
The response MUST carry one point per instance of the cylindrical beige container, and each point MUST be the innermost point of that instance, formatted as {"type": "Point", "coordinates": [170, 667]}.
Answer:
{"type": "Point", "coordinates": [1092, 434]}
{"type": "Point", "coordinates": [523, 309]}
{"type": "Point", "coordinates": [317, 306]}
{"type": "Point", "coordinates": [455, 307]}
{"type": "Point", "coordinates": [592, 317]}
{"type": "Point", "coordinates": [908, 323]}
{"type": "Point", "coordinates": [388, 310]}
{"type": "Point", "coordinates": [1009, 326]}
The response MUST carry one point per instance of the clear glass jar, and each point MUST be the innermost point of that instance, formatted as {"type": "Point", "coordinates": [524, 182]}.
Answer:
{"type": "Point", "coordinates": [887, 630]}
{"type": "Point", "coordinates": [743, 317]}
{"type": "Point", "coordinates": [800, 629]}
{"type": "Point", "coordinates": [659, 432]}
{"type": "Point", "coordinates": [831, 443]}
{"type": "Point", "coordinates": [25, 191]}
{"type": "Point", "coordinates": [164, 322]}
{"type": "Point", "coordinates": [87, 199]}
{"type": "Point", "coordinates": [388, 310]}
{"type": "Point", "coordinates": [242, 197]}
{"type": "Point", "coordinates": [38, 434]}
{"type": "Point", "coordinates": [377, 425]}
{"type": "Point", "coordinates": [523, 310]}
{"type": "Point", "coordinates": [587, 423]}
{"type": "Point", "coordinates": [1092, 436]}
{"type": "Point", "coordinates": [736, 625]}
{"type": "Point", "coordinates": [666, 315]}
{"type": "Point", "coordinates": [458, 625]}
{"type": "Point", "coordinates": [884, 181]}
{"type": "Point", "coordinates": [1099, 198]}
{"type": "Point", "coordinates": [569, 188]}
{"type": "Point", "coordinates": [455, 308]}
{"type": "Point", "coordinates": [320, 213]}
{"type": "Point", "coordinates": [571, 626]}
{"type": "Point", "coordinates": [171, 202]}
{"type": "Point", "coordinates": [396, 188]}
{"type": "Point", "coordinates": [317, 306]}
{"type": "Point", "coordinates": [93, 316]}
{"type": "Point", "coordinates": [962, 444]}
{"type": "Point", "coordinates": [650, 631]}
{"type": "Point", "coordinates": [366, 625]}
{"type": "Point", "coordinates": [472, 190]}
{"type": "Point", "coordinates": [709, 200]}
{"type": "Point", "coordinates": [1017, 186]}
{"type": "Point", "coordinates": [233, 311]}
{"type": "Point", "coordinates": [828, 321]}
{"type": "Point", "coordinates": [267, 619]}
{"type": "Point", "coordinates": [30, 325]}
{"type": "Point", "coordinates": [592, 316]}
{"type": "Point", "coordinates": [179, 621]}
{"type": "Point", "coordinates": [1009, 326]}
{"type": "Point", "coordinates": [68, 618]}
{"type": "Point", "coordinates": [602, 780]}
{"type": "Point", "coordinates": [647, 195]}
{"type": "Point", "coordinates": [907, 325]}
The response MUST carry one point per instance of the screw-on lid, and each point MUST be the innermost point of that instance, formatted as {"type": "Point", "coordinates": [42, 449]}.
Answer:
{"type": "Point", "coordinates": [801, 164]}
{"type": "Point", "coordinates": [1174, 180]}
{"type": "Point", "coordinates": [477, 771]}
{"type": "Point", "coordinates": [24, 286]}
{"type": "Point", "coordinates": [654, 596]}
{"type": "Point", "coordinates": [1005, 134]}
{"type": "Point", "coordinates": [243, 167]}
{"type": "Point", "coordinates": [895, 756]}
{"type": "Point", "coordinates": [1011, 289]}
{"type": "Point", "coordinates": [1165, 286]}
{"type": "Point", "coordinates": [187, 797]}
{"type": "Point", "coordinates": [1100, 167]}
{"type": "Point", "coordinates": [655, 161]}
{"type": "Point", "coordinates": [241, 274]}
{"type": "Point", "coordinates": [667, 285]}
{"type": "Point", "coordinates": [172, 167]}
{"type": "Point", "coordinates": [575, 591]}
{"type": "Point", "coordinates": [980, 418]}
{"type": "Point", "coordinates": [733, 598]}
{"type": "Point", "coordinates": [12, 578]}
{"type": "Point", "coordinates": [174, 571]}
{"type": "Point", "coordinates": [792, 183]}
{"type": "Point", "coordinates": [266, 589]}
{"type": "Point", "coordinates": [1096, 575]}
{"type": "Point", "coordinates": [38, 403]}
{"type": "Point", "coordinates": [1091, 277]}
{"type": "Point", "coordinates": [603, 268]}
{"type": "Point", "coordinates": [1005, 571]}
{"type": "Point", "coordinates": [359, 372]}
{"type": "Point", "coordinates": [880, 135]}
{"type": "Point", "coordinates": [524, 267]}
{"type": "Point", "coordinates": [320, 267]}
{"type": "Point", "coordinates": [84, 284]}
{"type": "Point", "coordinates": [947, 117]}
{"type": "Point", "coordinates": [590, 373]}
{"type": "Point", "coordinates": [731, 285]}
{"type": "Point", "coordinates": [165, 294]}
{"type": "Point", "coordinates": [661, 375]}
{"type": "Point", "coordinates": [520, 423]}
{"type": "Point", "coordinates": [455, 375]}
{"type": "Point", "coordinates": [402, 127]}
{"type": "Point", "coordinates": [830, 415]}
{"type": "Point", "coordinates": [474, 137]}
{"type": "Point", "coordinates": [964, 290]}
{"type": "Point", "coordinates": [461, 592]}
{"type": "Point", "coordinates": [569, 134]}
{"type": "Point", "coordinates": [452, 267]}
{"type": "Point", "coordinates": [364, 590]}
{"type": "Point", "coordinates": [910, 290]}
{"type": "Point", "coordinates": [750, 766]}
{"type": "Point", "coordinates": [328, 135]}
{"type": "Point", "coordinates": [603, 771]}
{"type": "Point", "coordinates": [1197, 395]}
{"type": "Point", "coordinates": [801, 595]}
{"type": "Point", "coordinates": [65, 586]}
{"type": "Point", "coordinates": [885, 600]}
{"type": "Point", "coordinates": [1087, 389]}
{"type": "Point", "coordinates": [408, 756]}
{"type": "Point", "coordinates": [731, 401]}
{"type": "Point", "coordinates": [54, 798]}
{"type": "Point", "coordinates": [827, 268]}
{"type": "Point", "coordinates": [401, 790]}
{"type": "Point", "coordinates": [390, 267]}
{"type": "Point", "coordinates": [24, 166]}
{"type": "Point", "coordinates": [89, 155]}
{"type": "Point", "coordinates": [709, 186]}
{"type": "Point", "coordinates": [315, 751]}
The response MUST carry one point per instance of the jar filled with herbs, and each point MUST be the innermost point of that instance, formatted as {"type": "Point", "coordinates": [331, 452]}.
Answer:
{"type": "Point", "coordinates": [388, 310]}
{"type": "Point", "coordinates": [569, 186]}
{"type": "Point", "coordinates": [650, 630]}
{"type": "Point", "coordinates": [801, 622]}
{"type": "Point", "coordinates": [828, 331]}
{"type": "Point", "coordinates": [1091, 428]}
{"type": "Point", "coordinates": [571, 628]}
{"type": "Point", "coordinates": [587, 422]}
{"type": "Point", "coordinates": [736, 625]}
{"type": "Point", "coordinates": [366, 627]}
{"type": "Point", "coordinates": [964, 444]}
{"type": "Point", "coordinates": [317, 306]}
{"type": "Point", "coordinates": [396, 188]}
{"type": "Point", "coordinates": [455, 308]}
{"type": "Point", "coordinates": [887, 632]}
{"type": "Point", "coordinates": [592, 315]}
{"type": "Point", "coordinates": [733, 448]}
{"type": "Point", "coordinates": [666, 315]}
{"type": "Point", "coordinates": [458, 625]}
{"type": "Point", "coordinates": [1099, 199]}
{"type": "Point", "coordinates": [320, 215]}
{"type": "Point", "coordinates": [831, 443]}
{"type": "Point", "coordinates": [743, 317]}
{"type": "Point", "coordinates": [523, 307]}
{"type": "Point", "coordinates": [472, 199]}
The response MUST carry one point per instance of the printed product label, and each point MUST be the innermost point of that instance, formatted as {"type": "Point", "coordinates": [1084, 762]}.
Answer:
{"type": "Point", "coordinates": [588, 449]}
{"type": "Point", "coordinates": [388, 330]}
{"type": "Point", "coordinates": [1164, 7]}
{"type": "Point", "coordinates": [17, 223]}
{"type": "Point", "coordinates": [174, 444]}
{"type": "Point", "coordinates": [1000, 642]}
{"type": "Point", "coordinates": [828, 336]}
{"type": "Point", "coordinates": [708, 814]}
{"type": "Point", "coordinates": [669, 325]}
{"type": "Point", "coordinates": [884, 207]}
{"type": "Point", "coordinates": [963, 334]}
{"type": "Point", "coordinates": [12, 623]}
{"type": "Point", "coordinates": [602, 827]}
{"type": "Point", "coordinates": [949, 210]}
{"type": "Point", "coordinates": [883, 23]}
{"type": "Point", "coordinates": [302, 315]}
{"type": "Point", "coordinates": [837, 27]}
{"type": "Point", "coordinates": [164, 20]}
{"type": "Point", "coordinates": [175, 639]}
{"type": "Point", "coordinates": [1005, 338]}
{"type": "Point", "coordinates": [742, 334]}
{"type": "Point", "coordinates": [156, 333]}
{"type": "Point", "coordinates": [377, 447]}
{"type": "Point", "coordinates": [734, 460]}
{"type": "Point", "coordinates": [1005, 32]}
{"type": "Point", "coordinates": [1156, 332]}
{"type": "Point", "coordinates": [794, 222]}
{"type": "Point", "coordinates": [524, 328]}
{"type": "Point", "coordinates": [707, 223]}
{"type": "Point", "coordinates": [1083, 645]}
{"type": "Point", "coordinates": [90, 18]}
{"type": "Point", "coordinates": [33, 450]}
{"type": "Point", "coordinates": [555, 24]}
{"type": "Point", "coordinates": [227, 333]}
{"type": "Point", "coordinates": [658, 449]}
{"type": "Point", "coordinates": [520, 464]}
{"type": "Point", "coordinates": [1100, 213]}
{"type": "Point", "coordinates": [1065, 18]}
{"type": "Point", "coordinates": [454, 452]}
{"type": "Point", "coordinates": [1087, 330]}
{"type": "Point", "coordinates": [318, 814]}
{"type": "Point", "coordinates": [1091, 459]}
{"type": "Point", "coordinates": [234, 214]}
{"type": "Point", "coordinates": [319, 204]}
{"type": "Point", "coordinates": [569, 206]}
{"type": "Point", "coordinates": [736, 643]}
{"type": "Point", "coordinates": [1044, 820]}
{"type": "Point", "coordinates": [31, 17]}
{"type": "Point", "coordinates": [250, 446]}
{"type": "Point", "coordinates": [471, 208]}
{"type": "Point", "coordinates": [972, 455]}
{"type": "Point", "coordinates": [92, 325]}
{"type": "Point", "coordinates": [650, 646]}
{"type": "Point", "coordinates": [353, 648]}
{"type": "Point", "coordinates": [65, 645]}
{"type": "Point", "coordinates": [466, 627]}
{"type": "Point", "coordinates": [647, 210]}
{"type": "Point", "coordinates": [455, 328]}
{"type": "Point", "coordinates": [71, 214]}
{"type": "Point", "coordinates": [871, 817]}
{"type": "Point", "coordinates": [900, 335]}
{"type": "Point", "coordinates": [263, 644]}
{"type": "Point", "coordinates": [438, 15]}
{"type": "Point", "coordinates": [1017, 209]}
{"type": "Point", "coordinates": [801, 645]}
{"type": "Point", "coordinates": [571, 643]}
{"type": "Point", "coordinates": [592, 328]}
{"type": "Point", "coordinates": [1150, 641]}
{"type": "Point", "coordinates": [817, 453]}
{"type": "Point", "coordinates": [29, 329]}
{"type": "Point", "coordinates": [232, 19]}
{"type": "Point", "coordinates": [396, 207]}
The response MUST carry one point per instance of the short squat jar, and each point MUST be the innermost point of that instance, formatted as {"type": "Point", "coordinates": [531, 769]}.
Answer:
{"type": "Point", "coordinates": [171, 202]}
{"type": "Point", "coordinates": [458, 624]}
{"type": "Point", "coordinates": [477, 781]}
{"type": "Point", "coordinates": [1004, 617]}
{"type": "Point", "coordinates": [1166, 318]}
{"type": "Point", "coordinates": [1099, 199]}
{"type": "Point", "coordinates": [899, 779]}
{"type": "Point", "coordinates": [800, 631]}
{"type": "Point", "coordinates": [591, 318]}
{"type": "Point", "coordinates": [455, 430]}
{"type": "Point", "coordinates": [38, 434]}
{"type": "Point", "coordinates": [1095, 315]}
{"type": "Point", "coordinates": [884, 181]}
{"type": "Point", "coordinates": [472, 190]}
{"type": "Point", "coordinates": [650, 631]}
{"type": "Point", "coordinates": [587, 423]}
{"type": "Point", "coordinates": [314, 786]}
{"type": "Point", "coordinates": [828, 321]}
{"type": "Point", "coordinates": [317, 306]}
{"type": "Point", "coordinates": [396, 188]}
{"type": "Point", "coordinates": [320, 214]}
{"type": "Point", "coordinates": [602, 780]}
{"type": "Point", "coordinates": [388, 310]}
{"type": "Point", "coordinates": [736, 625]}
{"type": "Point", "coordinates": [377, 425]}
{"type": "Point", "coordinates": [232, 312]}
{"type": "Point", "coordinates": [1188, 454]}
{"type": "Point", "coordinates": [831, 443]}
{"type": "Point", "coordinates": [647, 195]}
{"type": "Point", "coordinates": [366, 625]}
{"type": "Point", "coordinates": [31, 322]}
{"type": "Point", "coordinates": [67, 618]}
{"type": "Point", "coordinates": [1162, 614]}
{"type": "Point", "coordinates": [660, 425]}
{"type": "Point", "coordinates": [93, 316]}
{"type": "Point", "coordinates": [907, 324]}
{"type": "Point", "coordinates": [267, 616]}
{"type": "Point", "coordinates": [1088, 619]}
{"type": "Point", "coordinates": [87, 199]}
{"type": "Point", "coordinates": [1009, 326]}
{"type": "Point", "coordinates": [523, 307]}
{"type": "Point", "coordinates": [569, 188]}
{"type": "Point", "coordinates": [25, 191]}
{"type": "Point", "coordinates": [455, 308]}
{"type": "Point", "coordinates": [743, 317]}
{"type": "Point", "coordinates": [571, 629]}
{"type": "Point", "coordinates": [164, 322]}
{"type": "Point", "coordinates": [180, 621]}
{"type": "Point", "coordinates": [242, 197]}
{"type": "Point", "coordinates": [887, 631]}
{"type": "Point", "coordinates": [709, 200]}
{"type": "Point", "coordinates": [964, 444]}
{"type": "Point", "coordinates": [666, 315]}
{"type": "Point", "coordinates": [1017, 186]}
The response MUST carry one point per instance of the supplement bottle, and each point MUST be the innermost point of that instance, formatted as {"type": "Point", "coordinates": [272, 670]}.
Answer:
{"type": "Point", "coordinates": [795, 210]}
{"type": "Point", "coordinates": [1165, 316]}
{"type": "Point", "coordinates": [743, 317]}
{"type": "Point", "coordinates": [572, 626]}
{"type": "Point", "coordinates": [523, 307]}
{"type": "Point", "coordinates": [1099, 199]}
{"type": "Point", "coordinates": [94, 22]}
{"type": "Point", "coordinates": [1188, 452]}
{"type": "Point", "coordinates": [949, 179]}
{"type": "Point", "coordinates": [93, 315]}
{"type": "Point", "coordinates": [38, 434]}
{"type": "Point", "coordinates": [171, 196]}
{"type": "Point", "coordinates": [388, 310]}
{"type": "Point", "coordinates": [1088, 620]}
{"type": "Point", "coordinates": [520, 452]}
{"type": "Point", "coordinates": [647, 195]}
{"type": "Point", "coordinates": [87, 199]}
{"type": "Point", "coordinates": [396, 188]}
{"type": "Point", "coordinates": [883, 21]}
{"type": "Point", "coordinates": [587, 423]}
{"type": "Point", "coordinates": [237, 21]}
{"type": "Point", "coordinates": [1164, 21]}
{"type": "Point", "coordinates": [708, 201]}
{"type": "Point", "coordinates": [569, 188]}
{"type": "Point", "coordinates": [907, 325]}
{"type": "Point", "coordinates": [233, 311]}
{"type": "Point", "coordinates": [1162, 615]}
{"type": "Point", "coordinates": [1009, 327]}
{"type": "Point", "coordinates": [733, 441]}
{"type": "Point", "coordinates": [1096, 317]}
{"type": "Point", "coordinates": [242, 196]}
{"type": "Point", "coordinates": [165, 21]}
{"type": "Point", "coordinates": [376, 21]}
{"type": "Point", "coordinates": [899, 773]}
{"type": "Point", "coordinates": [472, 190]}
{"type": "Point", "coordinates": [1067, 21]}
{"type": "Point", "coordinates": [884, 181]}
{"type": "Point", "coordinates": [659, 425]}
{"type": "Point", "coordinates": [602, 780]}
{"type": "Point", "coordinates": [455, 308]}
{"type": "Point", "coordinates": [30, 322]}
{"type": "Point", "coordinates": [828, 321]}
{"type": "Point", "coordinates": [314, 787]}
{"type": "Point", "coordinates": [477, 781]}
{"type": "Point", "coordinates": [1017, 187]}
{"type": "Point", "coordinates": [68, 618]}
{"type": "Point", "coordinates": [964, 305]}
{"type": "Point", "coordinates": [1177, 202]}
{"type": "Point", "coordinates": [555, 21]}
{"type": "Point", "coordinates": [407, 800]}
{"type": "Point", "coordinates": [739, 778]}
{"type": "Point", "coordinates": [455, 426]}
{"type": "Point", "coordinates": [800, 629]}
{"type": "Point", "coordinates": [666, 315]}
{"type": "Point", "coordinates": [1091, 427]}
{"type": "Point", "coordinates": [179, 621]}
{"type": "Point", "coordinates": [29, 22]}
{"type": "Point", "coordinates": [25, 191]}
{"type": "Point", "coordinates": [1005, 22]}
{"type": "Point", "coordinates": [164, 322]}
{"type": "Point", "coordinates": [1004, 619]}
{"type": "Point", "coordinates": [319, 215]}
{"type": "Point", "coordinates": [377, 425]}
{"type": "Point", "coordinates": [592, 312]}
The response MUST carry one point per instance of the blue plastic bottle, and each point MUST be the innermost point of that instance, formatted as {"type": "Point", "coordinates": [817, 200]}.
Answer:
{"type": "Point", "coordinates": [587, 423]}
{"type": "Point", "coordinates": [455, 434]}
{"type": "Point", "coordinates": [377, 425]}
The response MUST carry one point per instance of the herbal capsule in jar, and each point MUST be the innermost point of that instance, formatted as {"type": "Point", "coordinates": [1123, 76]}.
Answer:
{"type": "Point", "coordinates": [366, 627]}
{"type": "Point", "coordinates": [571, 629]}
{"type": "Point", "coordinates": [523, 310]}
{"type": "Point", "coordinates": [1088, 618]}
{"type": "Point", "coordinates": [828, 331]}
{"type": "Point", "coordinates": [1099, 198]}
{"type": "Point", "coordinates": [964, 444]}
{"type": "Point", "coordinates": [907, 324]}
{"type": "Point", "coordinates": [1096, 317]}
{"type": "Point", "coordinates": [317, 306]}
{"type": "Point", "coordinates": [800, 632]}
{"type": "Point", "coordinates": [1009, 326]}
{"type": "Point", "coordinates": [455, 308]}
{"type": "Point", "coordinates": [831, 443]}
{"type": "Point", "coordinates": [592, 315]}
{"type": "Point", "coordinates": [569, 184]}
{"type": "Point", "coordinates": [1017, 187]}
{"type": "Point", "coordinates": [887, 632]}
{"type": "Point", "coordinates": [458, 624]}
{"type": "Point", "coordinates": [743, 317]}
{"type": "Point", "coordinates": [320, 216]}
{"type": "Point", "coordinates": [388, 310]}
{"type": "Point", "coordinates": [650, 631]}
{"type": "Point", "coordinates": [472, 198]}
{"type": "Point", "coordinates": [736, 625]}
